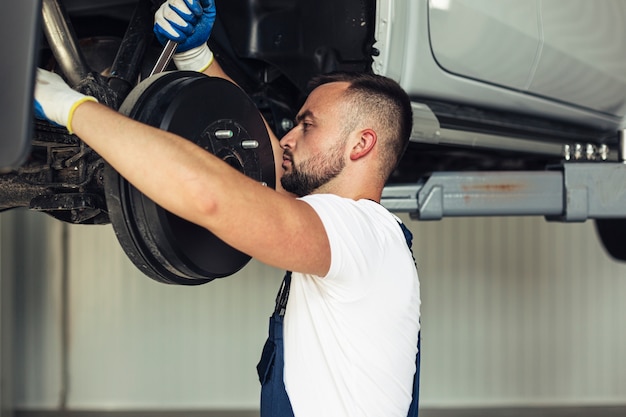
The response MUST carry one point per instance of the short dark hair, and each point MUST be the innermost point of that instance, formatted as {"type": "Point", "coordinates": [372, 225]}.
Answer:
{"type": "Point", "coordinates": [383, 99]}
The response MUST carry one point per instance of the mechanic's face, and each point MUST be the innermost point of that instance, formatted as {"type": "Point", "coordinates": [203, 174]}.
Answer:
{"type": "Point", "coordinates": [314, 150]}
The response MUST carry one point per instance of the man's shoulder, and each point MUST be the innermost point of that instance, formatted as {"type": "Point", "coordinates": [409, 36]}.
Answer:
{"type": "Point", "coordinates": [348, 214]}
{"type": "Point", "coordinates": [334, 199]}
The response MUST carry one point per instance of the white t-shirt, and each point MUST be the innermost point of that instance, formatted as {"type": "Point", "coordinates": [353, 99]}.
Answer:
{"type": "Point", "coordinates": [351, 337]}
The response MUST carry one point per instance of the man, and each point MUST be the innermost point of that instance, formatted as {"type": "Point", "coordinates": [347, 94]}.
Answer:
{"type": "Point", "coordinates": [351, 305]}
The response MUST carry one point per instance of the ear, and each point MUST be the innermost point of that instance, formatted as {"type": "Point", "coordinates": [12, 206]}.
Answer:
{"type": "Point", "coordinates": [367, 141]}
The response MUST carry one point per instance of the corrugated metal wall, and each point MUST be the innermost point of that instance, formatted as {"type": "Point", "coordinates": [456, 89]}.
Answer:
{"type": "Point", "coordinates": [516, 311]}
{"type": "Point", "coordinates": [6, 319]}
{"type": "Point", "coordinates": [520, 311]}
{"type": "Point", "coordinates": [38, 366]}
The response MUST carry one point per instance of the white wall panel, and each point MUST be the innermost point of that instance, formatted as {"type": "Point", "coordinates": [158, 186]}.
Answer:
{"type": "Point", "coordinates": [516, 311]}
{"type": "Point", "coordinates": [7, 275]}
{"type": "Point", "coordinates": [520, 311]}
{"type": "Point", "coordinates": [37, 371]}
{"type": "Point", "coordinates": [139, 344]}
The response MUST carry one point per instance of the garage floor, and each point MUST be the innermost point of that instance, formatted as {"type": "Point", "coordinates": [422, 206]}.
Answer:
{"type": "Point", "coordinates": [529, 412]}
{"type": "Point", "coordinates": [475, 412]}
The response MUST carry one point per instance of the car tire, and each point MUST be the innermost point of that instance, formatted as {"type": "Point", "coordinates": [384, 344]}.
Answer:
{"type": "Point", "coordinates": [612, 234]}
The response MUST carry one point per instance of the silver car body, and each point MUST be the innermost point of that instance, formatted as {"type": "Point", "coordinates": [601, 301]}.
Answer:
{"type": "Point", "coordinates": [558, 59]}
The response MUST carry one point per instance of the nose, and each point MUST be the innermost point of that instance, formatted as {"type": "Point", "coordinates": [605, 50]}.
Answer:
{"type": "Point", "coordinates": [287, 141]}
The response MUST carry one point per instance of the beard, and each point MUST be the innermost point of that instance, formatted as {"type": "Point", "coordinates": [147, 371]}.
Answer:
{"type": "Point", "coordinates": [314, 172]}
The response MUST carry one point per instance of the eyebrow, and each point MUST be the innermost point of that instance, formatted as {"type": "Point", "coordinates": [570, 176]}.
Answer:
{"type": "Point", "coordinates": [304, 115]}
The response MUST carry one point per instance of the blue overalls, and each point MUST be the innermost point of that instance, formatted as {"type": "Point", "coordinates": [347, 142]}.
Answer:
{"type": "Point", "coordinates": [274, 399]}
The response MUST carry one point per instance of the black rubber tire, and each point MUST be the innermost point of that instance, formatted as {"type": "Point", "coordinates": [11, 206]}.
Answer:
{"type": "Point", "coordinates": [163, 246]}
{"type": "Point", "coordinates": [612, 234]}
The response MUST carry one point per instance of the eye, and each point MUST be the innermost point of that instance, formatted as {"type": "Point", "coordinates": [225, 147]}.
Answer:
{"type": "Point", "coordinates": [306, 125]}
{"type": "Point", "coordinates": [304, 121]}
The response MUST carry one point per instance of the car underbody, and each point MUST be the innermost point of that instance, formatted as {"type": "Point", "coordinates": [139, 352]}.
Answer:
{"type": "Point", "coordinates": [463, 159]}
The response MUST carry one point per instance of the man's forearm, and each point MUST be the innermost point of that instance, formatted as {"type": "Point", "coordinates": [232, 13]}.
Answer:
{"type": "Point", "coordinates": [216, 70]}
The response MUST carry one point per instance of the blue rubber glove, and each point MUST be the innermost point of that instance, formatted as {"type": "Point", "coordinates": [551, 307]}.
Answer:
{"type": "Point", "coordinates": [55, 101]}
{"type": "Point", "coordinates": [188, 23]}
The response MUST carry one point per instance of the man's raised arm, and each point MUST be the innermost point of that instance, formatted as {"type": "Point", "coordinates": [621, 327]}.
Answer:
{"type": "Point", "coordinates": [184, 179]}
{"type": "Point", "coordinates": [189, 23]}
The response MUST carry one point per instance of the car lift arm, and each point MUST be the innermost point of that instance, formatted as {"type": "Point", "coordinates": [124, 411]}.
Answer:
{"type": "Point", "coordinates": [574, 193]}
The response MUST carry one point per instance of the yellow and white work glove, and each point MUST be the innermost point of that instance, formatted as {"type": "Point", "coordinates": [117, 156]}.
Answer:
{"type": "Point", "coordinates": [55, 101]}
{"type": "Point", "coordinates": [189, 24]}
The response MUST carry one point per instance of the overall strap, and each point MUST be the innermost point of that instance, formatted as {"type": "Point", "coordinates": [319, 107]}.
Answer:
{"type": "Point", "coordinates": [413, 408]}
{"type": "Point", "coordinates": [408, 236]}
{"type": "Point", "coordinates": [283, 295]}
{"type": "Point", "coordinates": [274, 399]}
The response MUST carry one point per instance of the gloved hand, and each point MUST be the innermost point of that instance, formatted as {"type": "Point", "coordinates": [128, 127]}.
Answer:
{"type": "Point", "coordinates": [55, 101]}
{"type": "Point", "coordinates": [188, 23]}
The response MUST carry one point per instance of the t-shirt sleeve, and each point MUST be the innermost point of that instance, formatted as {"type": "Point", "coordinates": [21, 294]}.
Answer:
{"type": "Point", "coordinates": [357, 241]}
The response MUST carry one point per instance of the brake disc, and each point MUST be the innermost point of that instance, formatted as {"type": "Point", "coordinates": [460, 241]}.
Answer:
{"type": "Point", "coordinates": [220, 118]}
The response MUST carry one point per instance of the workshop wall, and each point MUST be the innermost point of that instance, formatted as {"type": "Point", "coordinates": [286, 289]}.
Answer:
{"type": "Point", "coordinates": [516, 311]}
{"type": "Point", "coordinates": [6, 318]}
{"type": "Point", "coordinates": [39, 361]}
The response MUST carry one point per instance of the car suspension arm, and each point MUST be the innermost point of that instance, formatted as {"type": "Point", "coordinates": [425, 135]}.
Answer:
{"type": "Point", "coordinates": [62, 40]}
